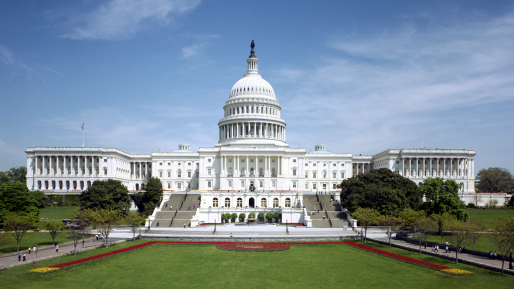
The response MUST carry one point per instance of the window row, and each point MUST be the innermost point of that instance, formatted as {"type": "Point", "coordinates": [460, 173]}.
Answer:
{"type": "Point", "coordinates": [239, 203]}
{"type": "Point", "coordinates": [252, 109]}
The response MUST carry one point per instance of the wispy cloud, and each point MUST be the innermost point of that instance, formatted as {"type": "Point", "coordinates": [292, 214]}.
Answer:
{"type": "Point", "coordinates": [8, 58]}
{"type": "Point", "coordinates": [123, 18]}
{"type": "Point", "coordinates": [196, 48]}
{"type": "Point", "coordinates": [387, 84]}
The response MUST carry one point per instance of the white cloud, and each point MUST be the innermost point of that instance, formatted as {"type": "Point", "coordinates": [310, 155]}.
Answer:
{"type": "Point", "coordinates": [192, 50]}
{"type": "Point", "coordinates": [122, 18]}
{"type": "Point", "coordinates": [8, 58]}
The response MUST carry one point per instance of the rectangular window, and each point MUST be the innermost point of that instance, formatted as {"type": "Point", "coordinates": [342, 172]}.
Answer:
{"type": "Point", "coordinates": [260, 161]}
{"type": "Point", "coordinates": [209, 172]}
{"type": "Point", "coordinates": [273, 161]}
{"type": "Point", "coordinates": [306, 186]}
{"type": "Point", "coordinates": [294, 172]}
{"type": "Point", "coordinates": [294, 185]}
{"type": "Point", "coordinates": [197, 174]}
{"type": "Point", "coordinates": [306, 165]}
{"type": "Point", "coordinates": [105, 160]}
{"type": "Point", "coordinates": [209, 160]}
{"type": "Point", "coordinates": [169, 186]}
{"type": "Point", "coordinates": [313, 186]}
{"type": "Point", "coordinates": [334, 186]}
{"type": "Point", "coordinates": [230, 184]}
{"type": "Point", "coordinates": [242, 184]}
{"type": "Point", "coordinates": [188, 164]}
{"type": "Point", "coordinates": [159, 164]}
{"type": "Point", "coordinates": [209, 184]}
{"type": "Point", "coordinates": [169, 164]}
{"type": "Point", "coordinates": [342, 175]}
{"type": "Point", "coordinates": [314, 175]}
{"type": "Point", "coordinates": [251, 160]}
{"type": "Point", "coordinates": [273, 184]}
{"type": "Point", "coordinates": [294, 160]}
{"type": "Point", "coordinates": [334, 175]}
{"type": "Point", "coordinates": [324, 186]}
{"type": "Point", "coordinates": [260, 184]}
{"type": "Point", "coordinates": [179, 185]}
{"type": "Point", "coordinates": [160, 174]}
{"type": "Point", "coordinates": [169, 174]}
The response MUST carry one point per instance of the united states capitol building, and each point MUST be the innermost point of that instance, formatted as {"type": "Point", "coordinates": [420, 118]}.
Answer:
{"type": "Point", "coordinates": [252, 152]}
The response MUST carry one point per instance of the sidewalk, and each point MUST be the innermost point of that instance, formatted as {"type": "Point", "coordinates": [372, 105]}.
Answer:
{"type": "Point", "coordinates": [45, 254]}
{"type": "Point", "coordinates": [478, 261]}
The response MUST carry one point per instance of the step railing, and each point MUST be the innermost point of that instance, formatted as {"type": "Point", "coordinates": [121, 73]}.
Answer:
{"type": "Point", "coordinates": [182, 202]}
{"type": "Point", "coordinates": [173, 218]}
{"type": "Point", "coordinates": [329, 220]}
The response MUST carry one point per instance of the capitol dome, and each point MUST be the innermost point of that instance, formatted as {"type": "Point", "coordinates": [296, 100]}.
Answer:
{"type": "Point", "coordinates": [252, 84]}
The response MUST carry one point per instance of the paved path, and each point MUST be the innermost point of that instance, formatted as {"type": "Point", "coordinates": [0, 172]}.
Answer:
{"type": "Point", "coordinates": [63, 250]}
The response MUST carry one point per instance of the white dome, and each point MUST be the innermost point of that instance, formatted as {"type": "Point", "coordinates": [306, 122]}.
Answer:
{"type": "Point", "coordinates": [252, 84]}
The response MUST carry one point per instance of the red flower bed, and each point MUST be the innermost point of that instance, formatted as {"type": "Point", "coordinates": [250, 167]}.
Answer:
{"type": "Point", "coordinates": [253, 247]}
{"type": "Point", "coordinates": [399, 257]}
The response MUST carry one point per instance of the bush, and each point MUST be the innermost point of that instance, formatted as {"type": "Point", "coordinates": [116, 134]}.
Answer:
{"type": "Point", "coordinates": [276, 216]}
{"type": "Point", "coordinates": [233, 216]}
{"type": "Point", "coordinates": [242, 216]}
{"type": "Point", "coordinates": [269, 216]}
{"type": "Point", "coordinates": [261, 216]}
{"type": "Point", "coordinates": [471, 206]}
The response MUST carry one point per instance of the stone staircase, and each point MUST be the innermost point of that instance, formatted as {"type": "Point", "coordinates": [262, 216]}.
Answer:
{"type": "Point", "coordinates": [183, 217]}
{"type": "Point", "coordinates": [179, 204]}
{"type": "Point", "coordinates": [311, 203]}
{"type": "Point", "coordinates": [190, 201]}
{"type": "Point", "coordinates": [333, 210]}
{"type": "Point", "coordinates": [173, 203]}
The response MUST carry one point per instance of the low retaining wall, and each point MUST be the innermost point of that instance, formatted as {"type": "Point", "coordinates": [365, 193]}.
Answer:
{"type": "Point", "coordinates": [251, 239]}
{"type": "Point", "coordinates": [467, 262]}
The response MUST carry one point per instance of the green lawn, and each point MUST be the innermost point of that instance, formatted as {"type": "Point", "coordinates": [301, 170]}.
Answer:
{"type": "Point", "coordinates": [55, 214]}
{"type": "Point", "coordinates": [483, 244]}
{"type": "Point", "coordinates": [489, 215]}
{"type": "Point", "coordinates": [204, 266]}
{"type": "Point", "coordinates": [34, 239]}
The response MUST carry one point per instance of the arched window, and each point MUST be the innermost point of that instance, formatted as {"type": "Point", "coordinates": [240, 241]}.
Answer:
{"type": "Point", "coordinates": [288, 203]}
{"type": "Point", "coordinates": [263, 202]}
{"type": "Point", "coordinates": [227, 202]}
{"type": "Point", "coordinates": [324, 174]}
{"type": "Point", "coordinates": [275, 203]}
{"type": "Point", "coordinates": [215, 202]}
{"type": "Point", "coordinates": [81, 185]}
{"type": "Point", "coordinates": [39, 185]}
{"type": "Point", "coordinates": [88, 184]}
{"type": "Point", "coordinates": [142, 186]}
{"type": "Point", "coordinates": [179, 173]}
{"type": "Point", "coordinates": [137, 187]}
{"type": "Point", "coordinates": [239, 202]}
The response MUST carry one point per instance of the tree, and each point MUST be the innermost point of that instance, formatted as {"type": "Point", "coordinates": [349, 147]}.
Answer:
{"type": "Point", "coordinates": [18, 225]}
{"type": "Point", "coordinates": [251, 215]}
{"type": "Point", "coordinates": [16, 198]}
{"type": "Point", "coordinates": [366, 218]}
{"type": "Point", "coordinates": [3, 178]}
{"type": "Point", "coordinates": [410, 216]}
{"type": "Point", "coordinates": [106, 220]}
{"type": "Point", "coordinates": [495, 180]}
{"type": "Point", "coordinates": [424, 225]}
{"type": "Point", "coordinates": [41, 199]}
{"type": "Point", "coordinates": [85, 219]}
{"type": "Point", "coordinates": [442, 196]}
{"type": "Point", "coordinates": [459, 235]}
{"type": "Point", "coordinates": [106, 195]}
{"type": "Point", "coordinates": [441, 220]}
{"type": "Point", "coordinates": [152, 196]}
{"type": "Point", "coordinates": [390, 224]}
{"type": "Point", "coordinates": [261, 216]}
{"type": "Point", "coordinates": [74, 233]}
{"type": "Point", "coordinates": [233, 216]}
{"type": "Point", "coordinates": [135, 220]}
{"type": "Point", "coordinates": [17, 174]}
{"type": "Point", "coordinates": [502, 236]}
{"type": "Point", "coordinates": [269, 216]}
{"type": "Point", "coordinates": [54, 228]}
{"type": "Point", "coordinates": [5, 238]}
{"type": "Point", "coordinates": [476, 227]}
{"type": "Point", "coordinates": [276, 216]}
{"type": "Point", "coordinates": [224, 217]}
{"type": "Point", "coordinates": [380, 189]}
{"type": "Point", "coordinates": [242, 216]}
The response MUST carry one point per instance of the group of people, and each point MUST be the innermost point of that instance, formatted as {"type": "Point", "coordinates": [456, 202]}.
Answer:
{"type": "Point", "coordinates": [492, 255]}
{"type": "Point", "coordinates": [31, 251]}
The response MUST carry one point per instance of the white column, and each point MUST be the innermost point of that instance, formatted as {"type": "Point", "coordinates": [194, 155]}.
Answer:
{"type": "Point", "coordinates": [423, 160]}
{"type": "Point", "coordinates": [444, 167]}
{"type": "Point", "coordinates": [146, 170]}
{"type": "Point", "coordinates": [247, 172]}
{"type": "Point", "coordinates": [35, 166]}
{"type": "Point", "coordinates": [403, 167]}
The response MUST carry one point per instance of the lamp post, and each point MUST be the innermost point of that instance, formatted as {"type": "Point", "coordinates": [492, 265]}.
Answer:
{"type": "Point", "coordinates": [287, 229]}
{"type": "Point", "coordinates": [214, 227]}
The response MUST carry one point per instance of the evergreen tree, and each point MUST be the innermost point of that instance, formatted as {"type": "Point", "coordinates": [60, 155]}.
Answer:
{"type": "Point", "coordinates": [16, 198]}
{"type": "Point", "coordinates": [152, 196]}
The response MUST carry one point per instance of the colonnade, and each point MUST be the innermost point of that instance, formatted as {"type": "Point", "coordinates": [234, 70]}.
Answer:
{"type": "Point", "coordinates": [140, 170]}
{"type": "Point", "coordinates": [252, 130]}
{"type": "Point", "coordinates": [87, 166]}
{"type": "Point", "coordinates": [437, 167]}
{"type": "Point", "coordinates": [245, 170]}
{"type": "Point", "coordinates": [254, 109]}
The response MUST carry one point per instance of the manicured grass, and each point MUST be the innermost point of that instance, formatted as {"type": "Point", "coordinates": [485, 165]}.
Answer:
{"type": "Point", "coordinates": [483, 244]}
{"type": "Point", "coordinates": [489, 215]}
{"type": "Point", "coordinates": [55, 214]}
{"type": "Point", "coordinates": [204, 266]}
{"type": "Point", "coordinates": [34, 239]}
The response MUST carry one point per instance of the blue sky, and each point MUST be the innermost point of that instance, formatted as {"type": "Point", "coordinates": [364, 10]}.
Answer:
{"type": "Point", "coordinates": [358, 76]}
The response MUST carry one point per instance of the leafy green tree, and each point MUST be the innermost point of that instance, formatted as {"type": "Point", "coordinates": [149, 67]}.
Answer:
{"type": "Point", "coordinates": [16, 198]}
{"type": "Point", "coordinates": [3, 178]}
{"type": "Point", "coordinates": [242, 216]}
{"type": "Point", "coordinates": [441, 220]}
{"type": "Point", "coordinates": [366, 217]}
{"type": "Point", "coordinates": [152, 196]}
{"type": "Point", "coordinates": [442, 196]}
{"type": "Point", "coordinates": [459, 235]}
{"type": "Point", "coordinates": [261, 216]}
{"type": "Point", "coordinates": [269, 216]}
{"type": "Point", "coordinates": [502, 236]}
{"type": "Point", "coordinates": [411, 216]}
{"type": "Point", "coordinates": [224, 217]}
{"type": "Point", "coordinates": [476, 228]}
{"type": "Point", "coordinates": [135, 220]}
{"type": "Point", "coordinates": [251, 215]}
{"type": "Point", "coordinates": [18, 225]}
{"type": "Point", "coordinates": [380, 189]}
{"type": "Point", "coordinates": [54, 228]}
{"type": "Point", "coordinates": [495, 180]}
{"type": "Point", "coordinates": [74, 233]}
{"type": "Point", "coordinates": [4, 238]}
{"type": "Point", "coordinates": [17, 174]}
{"type": "Point", "coordinates": [105, 220]}
{"type": "Point", "coordinates": [390, 225]}
{"type": "Point", "coordinates": [41, 199]}
{"type": "Point", "coordinates": [424, 226]}
{"type": "Point", "coordinates": [276, 216]}
{"type": "Point", "coordinates": [106, 195]}
{"type": "Point", "coordinates": [233, 216]}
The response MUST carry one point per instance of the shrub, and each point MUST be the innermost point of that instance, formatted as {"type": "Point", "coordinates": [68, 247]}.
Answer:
{"type": "Point", "coordinates": [261, 216]}
{"type": "Point", "coordinates": [242, 216]}
{"type": "Point", "coordinates": [471, 206]}
{"type": "Point", "coordinates": [233, 216]}
{"type": "Point", "coordinates": [251, 215]}
{"type": "Point", "coordinates": [276, 216]}
{"type": "Point", "coordinates": [269, 216]}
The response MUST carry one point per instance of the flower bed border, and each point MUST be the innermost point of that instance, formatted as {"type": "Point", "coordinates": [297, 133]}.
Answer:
{"type": "Point", "coordinates": [232, 246]}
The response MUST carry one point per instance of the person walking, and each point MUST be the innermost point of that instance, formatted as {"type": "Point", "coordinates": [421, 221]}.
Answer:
{"type": "Point", "coordinates": [24, 257]}
{"type": "Point", "coordinates": [82, 243]}
{"type": "Point", "coordinates": [34, 250]}
{"type": "Point", "coordinates": [56, 248]}
{"type": "Point", "coordinates": [29, 250]}
{"type": "Point", "coordinates": [19, 257]}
